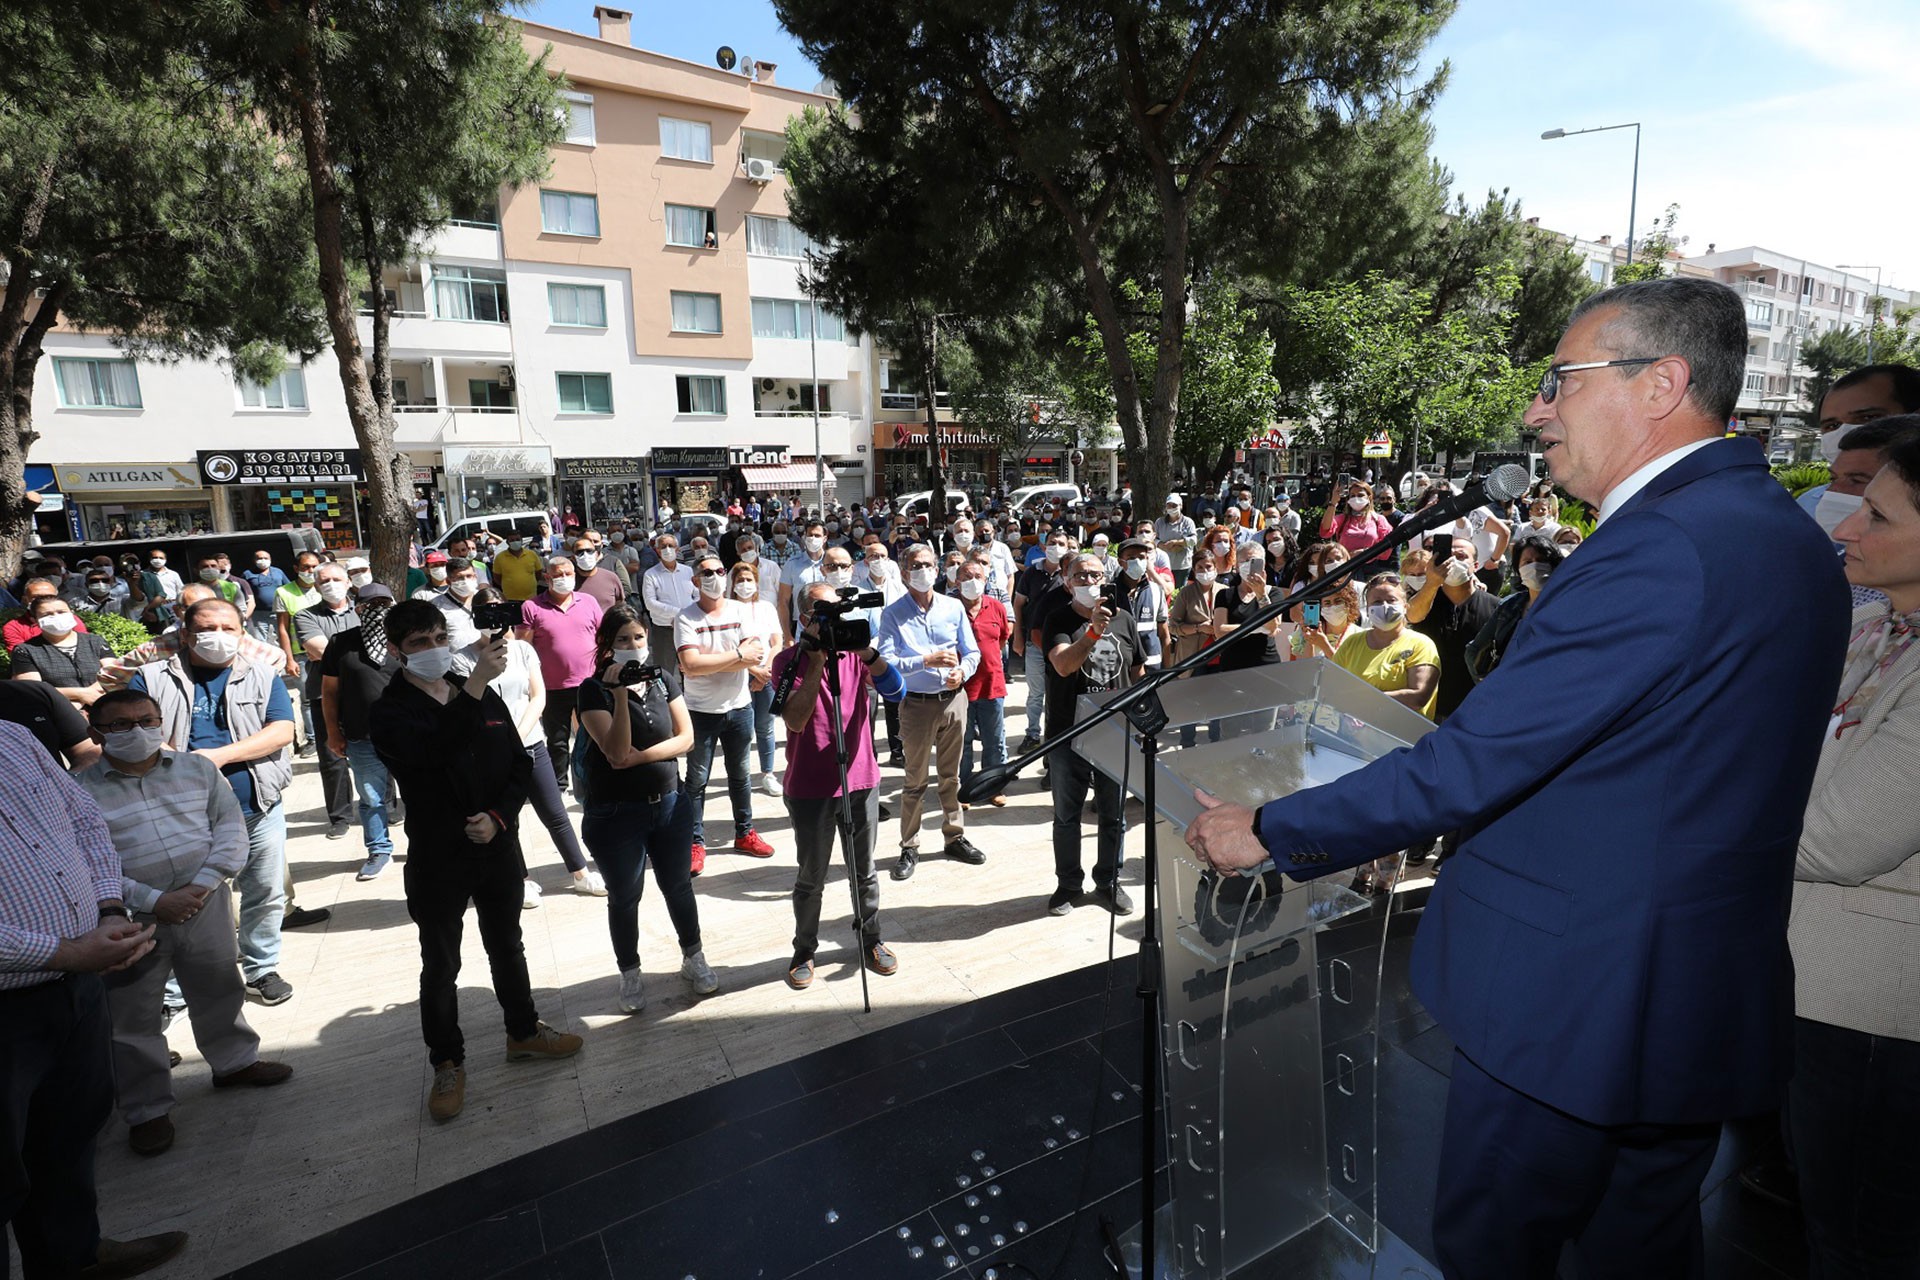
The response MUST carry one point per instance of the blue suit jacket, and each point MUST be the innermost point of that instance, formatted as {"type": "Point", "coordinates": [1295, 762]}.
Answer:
{"type": "Point", "coordinates": [1630, 783]}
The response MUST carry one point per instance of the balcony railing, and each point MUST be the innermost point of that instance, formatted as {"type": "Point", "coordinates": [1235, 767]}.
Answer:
{"type": "Point", "coordinates": [1757, 289]}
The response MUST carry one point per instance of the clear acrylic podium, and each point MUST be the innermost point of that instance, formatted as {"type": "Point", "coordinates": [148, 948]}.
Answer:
{"type": "Point", "coordinates": [1268, 1024]}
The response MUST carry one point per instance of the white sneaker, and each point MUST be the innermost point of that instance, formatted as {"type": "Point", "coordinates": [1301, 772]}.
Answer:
{"type": "Point", "coordinates": [530, 895]}
{"type": "Point", "coordinates": [770, 785]}
{"type": "Point", "coordinates": [699, 974]}
{"type": "Point", "coordinates": [632, 998]}
{"type": "Point", "coordinates": [591, 884]}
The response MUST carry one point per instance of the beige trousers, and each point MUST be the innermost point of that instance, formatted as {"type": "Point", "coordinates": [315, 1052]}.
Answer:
{"type": "Point", "coordinates": [936, 726]}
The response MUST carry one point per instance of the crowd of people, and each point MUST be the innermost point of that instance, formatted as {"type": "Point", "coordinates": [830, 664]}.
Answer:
{"type": "Point", "coordinates": [614, 662]}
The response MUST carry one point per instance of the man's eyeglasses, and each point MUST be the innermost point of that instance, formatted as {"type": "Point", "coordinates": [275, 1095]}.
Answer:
{"type": "Point", "coordinates": [121, 726]}
{"type": "Point", "coordinates": [1550, 380]}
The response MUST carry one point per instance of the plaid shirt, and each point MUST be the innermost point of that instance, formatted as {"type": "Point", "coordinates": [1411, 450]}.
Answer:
{"type": "Point", "coordinates": [57, 862]}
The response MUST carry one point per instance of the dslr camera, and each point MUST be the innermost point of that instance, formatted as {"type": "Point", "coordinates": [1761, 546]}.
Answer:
{"type": "Point", "coordinates": [497, 617]}
{"type": "Point", "coordinates": [834, 630]}
{"type": "Point", "coordinates": [636, 673]}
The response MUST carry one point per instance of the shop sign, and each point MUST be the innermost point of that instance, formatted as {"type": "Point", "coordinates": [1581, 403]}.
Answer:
{"type": "Point", "coordinates": [703, 459]}
{"type": "Point", "coordinates": [281, 466]}
{"type": "Point", "coordinates": [1272, 438]}
{"type": "Point", "coordinates": [1380, 446]}
{"type": "Point", "coordinates": [423, 475]}
{"type": "Point", "coordinates": [763, 455]}
{"type": "Point", "coordinates": [128, 475]}
{"type": "Point", "coordinates": [499, 460]}
{"type": "Point", "coordinates": [905, 435]}
{"type": "Point", "coordinates": [599, 468]}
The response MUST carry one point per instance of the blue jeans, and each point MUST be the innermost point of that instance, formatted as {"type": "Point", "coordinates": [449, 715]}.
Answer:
{"type": "Point", "coordinates": [372, 784]}
{"type": "Point", "coordinates": [986, 721]}
{"type": "Point", "coordinates": [733, 730]}
{"type": "Point", "coordinates": [1036, 672]}
{"type": "Point", "coordinates": [763, 727]}
{"type": "Point", "coordinates": [624, 835]}
{"type": "Point", "coordinates": [261, 887]}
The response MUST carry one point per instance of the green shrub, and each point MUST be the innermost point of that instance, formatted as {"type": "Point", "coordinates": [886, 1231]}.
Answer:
{"type": "Point", "coordinates": [121, 634]}
{"type": "Point", "coordinates": [1577, 514]}
{"type": "Point", "coordinates": [1803, 476]}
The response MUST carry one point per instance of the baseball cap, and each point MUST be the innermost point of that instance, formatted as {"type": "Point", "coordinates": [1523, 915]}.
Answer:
{"type": "Point", "coordinates": [1131, 543]}
{"type": "Point", "coordinates": [436, 557]}
{"type": "Point", "coordinates": [1173, 500]}
{"type": "Point", "coordinates": [372, 591]}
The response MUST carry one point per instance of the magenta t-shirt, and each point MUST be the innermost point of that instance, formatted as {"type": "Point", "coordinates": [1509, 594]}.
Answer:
{"type": "Point", "coordinates": [812, 772]}
{"type": "Point", "coordinates": [1357, 533]}
{"type": "Point", "coordinates": [562, 637]}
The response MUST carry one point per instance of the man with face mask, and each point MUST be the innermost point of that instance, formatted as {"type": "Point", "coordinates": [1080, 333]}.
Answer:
{"type": "Point", "coordinates": [264, 580]}
{"type": "Point", "coordinates": [1036, 591]}
{"type": "Point", "coordinates": [517, 569]}
{"type": "Point", "coordinates": [161, 587]}
{"type": "Point", "coordinates": [593, 578]}
{"type": "Point", "coordinates": [355, 669]}
{"type": "Point", "coordinates": [803, 571]}
{"type": "Point", "coordinates": [782, 548]}
{"type": "Point", "coordinates": [179, 833]}
{"type": "Point", "coordinates": [926, 637]}
{"type": "Point", "coordinates": [1862, 396]}
{"type": "Point", "coordinates": [561, 625]}
{"type": "Point", "coordinates": [987, 687]}
{"type": "Point", "coordinates": [296, 594]}
{"type": "Point", "coordinates": [716, 657]}
{"type": "Point", "coordinates": [235, 711]}
{"type": "Point", "coordinates": [665, 589]}
{"type": "Point", "coordinates": [314, 630]}
{"type": "Point", "coordinates": [1177, 536]}
{"type": "Point", "coordinates": [1145, 599]}
{"type": "Point", "coordinates": [433, 571]}
{"type": "Point", "coordinates": [1450, 609]}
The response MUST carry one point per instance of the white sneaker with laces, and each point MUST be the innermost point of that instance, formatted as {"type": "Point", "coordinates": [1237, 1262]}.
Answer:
{"type": "Point", "coordinates": [699, 974]}
{"type": "Point", "coordinates": [530, 895]}
{"type": "Point", "coordinates": [770, 785]}
{"type": "Point", "coordinates": [632, 998]}
{"type": "Point", "coordinates": [591, 883]}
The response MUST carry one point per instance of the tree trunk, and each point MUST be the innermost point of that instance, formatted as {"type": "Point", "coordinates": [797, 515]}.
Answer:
{"type": "Point", "coordinates": [20, 338]}
{"type": "Point", "coordinates": [372, 429]}
{"type": "Point", "coordinates": [388, 468]}
{"type": "Point", "coordinates": [936, 474]}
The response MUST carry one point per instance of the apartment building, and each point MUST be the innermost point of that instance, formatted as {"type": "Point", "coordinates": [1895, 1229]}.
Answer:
{"type": "Point", "coordinates": [632, 330]}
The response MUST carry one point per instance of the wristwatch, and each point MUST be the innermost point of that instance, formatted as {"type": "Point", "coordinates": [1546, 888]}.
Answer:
{"type": "Point", "coordinates": [113, 909]}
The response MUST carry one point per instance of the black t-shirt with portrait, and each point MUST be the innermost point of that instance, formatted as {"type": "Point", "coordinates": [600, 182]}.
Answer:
{"type": "Point", "coordinates": [652, 720]}
{"type": "Point", "coordinates": [1109, 665]}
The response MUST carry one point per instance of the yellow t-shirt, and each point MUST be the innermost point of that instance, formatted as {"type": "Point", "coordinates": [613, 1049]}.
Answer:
{"type": "Point", "coordinates": [518, 576]}
{"type": "Point", "coordinates": [1386, 669]}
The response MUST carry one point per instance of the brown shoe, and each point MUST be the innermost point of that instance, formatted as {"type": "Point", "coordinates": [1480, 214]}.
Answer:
{"type": "Point", "coordinates": [881, 960]}
{"type": "Point", "coordinates": [116, 1258]}
{"type": "Point", "coordinates": [449, 1093]}
{"type": "Point", "coordinates": [151, 1137]}
{"type": "Point", "coordinates": [260, 1074]}
{"type": "Point", "coordinates": [545, 1042]}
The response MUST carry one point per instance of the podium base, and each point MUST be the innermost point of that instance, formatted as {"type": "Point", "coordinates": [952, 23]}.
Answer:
{"type": "Point", "coordinates": [1323, 1251]}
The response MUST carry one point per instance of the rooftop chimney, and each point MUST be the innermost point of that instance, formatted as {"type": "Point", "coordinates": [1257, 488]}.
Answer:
{"type": "Point", "coordinates": [1710, 246]}
{"type": "Point", "coordinates": [616, 25]}
{"type": "Point", "coordinates": [1606, 239]}
{"type": "Point", "coordinates": [763, 71]}
{"type": "Point", "coordinates": [1533, 222]}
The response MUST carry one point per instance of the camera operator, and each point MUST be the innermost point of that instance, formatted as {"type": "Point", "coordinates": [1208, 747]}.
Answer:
{"type": "Point", "coordinates": [1092, 647]}
{"type": "Point", "coordinates": [455, 750]}
{"type": "Point", "coordinates": [813, 785]}
{"type": "Point", "coordinates": [636, 812]}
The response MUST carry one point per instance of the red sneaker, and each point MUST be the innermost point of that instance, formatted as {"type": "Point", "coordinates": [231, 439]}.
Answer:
{"type": "Point", "coordinates": [699, 857]}
{"type": "Point", "coordinates": [753, 845]}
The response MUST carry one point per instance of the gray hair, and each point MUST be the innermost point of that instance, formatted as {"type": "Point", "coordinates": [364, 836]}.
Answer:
{"type": "Point", "coordinates": [1075, 560]}
{"type": "Point", "coordinates": [915, 549]}
{"type": "Point", "coordinates": [1702, 321]}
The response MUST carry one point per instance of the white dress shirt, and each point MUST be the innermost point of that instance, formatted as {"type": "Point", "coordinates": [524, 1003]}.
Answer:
{"type": "Point", "coordinates": [1628, 489]}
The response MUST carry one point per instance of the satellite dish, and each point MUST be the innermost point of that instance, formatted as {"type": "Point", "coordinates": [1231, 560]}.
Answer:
{"type": "Point", "coordinates": [724, 57]}
{"type": "Point", "coordinates": [747, 67]}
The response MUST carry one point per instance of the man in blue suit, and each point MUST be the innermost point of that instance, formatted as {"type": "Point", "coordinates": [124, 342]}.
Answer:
{"type": "Point", "coordinates": [1608, 949]}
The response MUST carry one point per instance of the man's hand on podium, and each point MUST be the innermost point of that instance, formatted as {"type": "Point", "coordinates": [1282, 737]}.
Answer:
{"type": "Point", "coordinates": [1222, 836]}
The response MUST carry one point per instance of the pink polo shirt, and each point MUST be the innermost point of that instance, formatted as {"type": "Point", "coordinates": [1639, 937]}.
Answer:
{"type": "Point", "coordinates": [812, 771]}
{"type": "Point", "coordinates": [562, 636]}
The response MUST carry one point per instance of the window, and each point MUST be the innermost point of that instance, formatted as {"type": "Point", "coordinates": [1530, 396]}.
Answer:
{"type": "Point", "coordinates": [107, 384]}
{"type": "Point", "coordinates": [1597, 271]}
{"type": "Point", "coordinates": [686, 140]}
{"type": "Point", "coordinates": [699, 394]}
{"type": "Point", "coordinates": [568, 214]}
{"type": "Point", "coordinates": [470, 293]}
{"type": "Point", "coordinates": [577, 304]}
{"type": "Point", "coordinates": [776, 238]}
{"type": "Point", "coordinates": [579, 118]}
{"type": "Point", "coordinates": [1756, 384]}
{"type": "Point", "coordinates": [586, 392]}
{"type": "Point", "coordinates": [789, 318]}
{"type": "Point", "coordinates": [288, 391]}
{"type": "Point", "coordinates": [691, 227]}
{"type": "Point", "coordinates": [696, 312]}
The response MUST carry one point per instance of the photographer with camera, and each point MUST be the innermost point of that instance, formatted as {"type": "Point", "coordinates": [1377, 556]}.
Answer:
{"type": "Point", "coordinates": [928, 640]}
{"type": "Point", "coordinates": [815, 785]}
{"type": "Point", "coordinates": [636, 812]}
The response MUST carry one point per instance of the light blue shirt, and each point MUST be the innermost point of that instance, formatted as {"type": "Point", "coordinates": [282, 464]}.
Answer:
{"type": "Point", "coordinates": [909, 633]}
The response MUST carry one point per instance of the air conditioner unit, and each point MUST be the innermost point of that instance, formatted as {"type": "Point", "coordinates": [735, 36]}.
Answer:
{"type": "Point", "coordinates": [760, 170]}
{"type": "Point", "coordinates": [506, 376]}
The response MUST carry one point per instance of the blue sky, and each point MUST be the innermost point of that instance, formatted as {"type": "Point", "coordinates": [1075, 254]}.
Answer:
{"type": "Point", "coordinates": [1783, 123]}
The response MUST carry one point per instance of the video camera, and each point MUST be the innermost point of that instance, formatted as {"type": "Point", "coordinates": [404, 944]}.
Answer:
{"type": "Point", "coordinates": [636, 673]}
{"type": "Point", "coordinates": [497, 617]}
{"type": "Point", "coordinates": [834, 630]}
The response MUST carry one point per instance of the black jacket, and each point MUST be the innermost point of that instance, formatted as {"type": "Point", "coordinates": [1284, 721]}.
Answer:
{"type": "Point", "coordinates": [452, 761]}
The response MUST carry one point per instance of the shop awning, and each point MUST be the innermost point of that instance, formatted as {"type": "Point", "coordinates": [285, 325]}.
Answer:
{"type": "Point", "coordinates": [795, 475]}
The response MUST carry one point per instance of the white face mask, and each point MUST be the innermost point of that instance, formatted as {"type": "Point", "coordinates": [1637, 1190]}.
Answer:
{"type": "Point", "coordinates": [306, 577]}
{"type": "Point", "coordinates": [1534, 576]}
{"type": "Point", "coordinates": [624, 656]}
{"type": "Point", "coordinates": [216, 648]}
{"type": "Point", "coordinates": [464, 587]}
{"type": "Point", "coordinates": [1335, 616]}
{"type": "Point", "coordinates": [1459, 573]}
{"type": "Point", "coordinates": [953, 573]}
{"type": "Point", "coordinates": [669, 554]}
{"type": "Point", "coordinates": [745, 589]}
{"type": "Point", "coordinates": [438, 573]}
{"type": "Point", "coordinates": [1136, 569]}
{"type": "Point", "coordinates": [962, 539]}
{"type": "Point", "coordinates": [749, 556]}
{"type": "Point", "coordinates": [429, 664]}
{"type": "Point", "coordinates": [262, 566]}
{"type": "Point", "coordinates": [137, 743]}
{"type": "Point", "coordinates": [1204, 577]}
{"type": "Point", "coordinates": [333, 591]}
{"type": "Point", "coordinates": [712, 585]}
{"type": "Point", "coordinates": [1416, 582]}
{"type": "Point", "coordinates": [58, 624]}
{"type": "Point", "coordinates": [617, 538]}
{"type": "Point", "coordinates": [360, 579]}
{"type": "Point", "coordinates": [1830, 442]}
{"type": "Point", "coordinates": [922, 579]}
{"type": "Point", "coordinates": [210, 574]}
{"type": "Point", "coordinates": [1386, 615]}
{"type": "Point", "coordinates": [1356, 504]}
{"type": "Point", "coordinates": [1086, 594]}
{"type": "Point", "coordinates": [560, 586]}
{"type": "Point", "coordinates": [585, 559]}
{"type": "Point", "coordinates": [814, 546]}
{"type": "Point", "coordinates": [973, 588]}
{"type": "Point", "coordinates": [1222, 548]}
{"type": "Point", "coordinates": [1835, 507]}
{"type": "Point", "coordinates": [1055, 554]}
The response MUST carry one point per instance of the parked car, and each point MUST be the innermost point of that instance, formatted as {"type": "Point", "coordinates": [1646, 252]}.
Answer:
{"type": "Point", "coordinates": [704, 523]}
{"type": "Point", "coordinates": [503, 524]}
{"type": "Point", "coordinates": [1041, 495]}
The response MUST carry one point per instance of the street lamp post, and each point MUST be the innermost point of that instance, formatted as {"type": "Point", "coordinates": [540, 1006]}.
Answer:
{"type": "Point", "coordinates": [1633, 198]}
{"type": "Point", "coordinates": [1873, 313]}
{"type": "Point", "coordinates": [813, 364]}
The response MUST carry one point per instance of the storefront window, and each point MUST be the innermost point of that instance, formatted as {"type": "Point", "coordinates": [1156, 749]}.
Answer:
{"type": "Point", "coordinates": [330, 509]}
{"type": "Point", "coordinates": [598, 501]}
{"type": "Point", "coordinates": [111, 520]}
{"type": "Point", "coordinates": [486, 495]}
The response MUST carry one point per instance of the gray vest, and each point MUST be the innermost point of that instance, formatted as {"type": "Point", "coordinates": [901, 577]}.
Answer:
{"type": "Point", "coordinates": [245, 704]}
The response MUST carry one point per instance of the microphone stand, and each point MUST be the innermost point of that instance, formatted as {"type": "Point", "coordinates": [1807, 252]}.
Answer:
{"type": "Point", "coordinates": [1141, 705]}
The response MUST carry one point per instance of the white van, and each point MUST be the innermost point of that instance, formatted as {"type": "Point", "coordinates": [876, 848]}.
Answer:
{"type": "Point", "coordinates": [1039, 495]}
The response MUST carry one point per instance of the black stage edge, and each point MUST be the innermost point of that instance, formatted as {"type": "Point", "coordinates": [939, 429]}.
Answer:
{"type": "Point", "coordinates": [982, 1141]}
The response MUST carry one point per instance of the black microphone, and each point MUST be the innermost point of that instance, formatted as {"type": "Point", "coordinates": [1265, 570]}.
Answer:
{"type": "Point", "coordinates": [1503, 484]}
